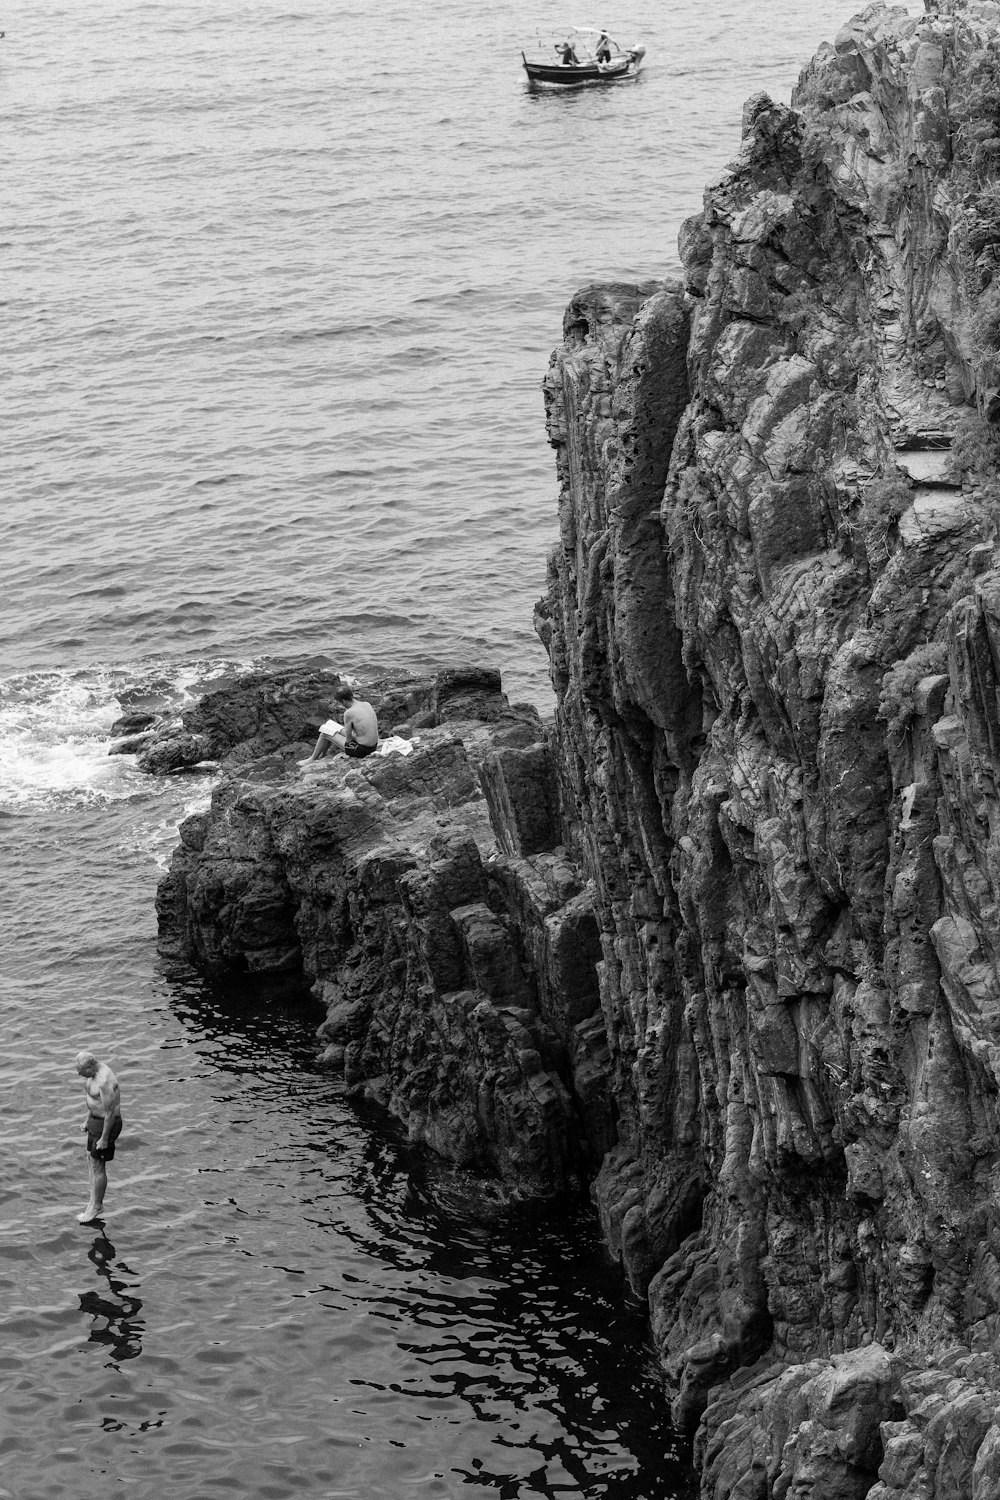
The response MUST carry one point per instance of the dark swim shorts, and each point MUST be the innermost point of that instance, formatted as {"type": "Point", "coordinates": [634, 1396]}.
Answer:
{"type": "Point", "coordinates": [358, 752]}
{"type": "Point", "coordinates": [94, 1128]}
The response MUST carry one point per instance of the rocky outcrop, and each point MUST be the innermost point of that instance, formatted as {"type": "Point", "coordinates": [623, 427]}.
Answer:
{"type": "Point", "coordinates": [723, 939]}
{"type": "Point", "coordinates": [777, 676]}
{"type": "Point", "coordinates": [247, 716]}
{"type": "Point", "coordinates": [424, 899]}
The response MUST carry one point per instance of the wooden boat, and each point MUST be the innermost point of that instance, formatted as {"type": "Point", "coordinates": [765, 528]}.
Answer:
{"type": "Point", "coordinates": [594, 63]}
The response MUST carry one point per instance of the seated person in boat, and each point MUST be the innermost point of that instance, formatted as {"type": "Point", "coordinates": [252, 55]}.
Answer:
{"type": "Point", "coordinates": [356, 737]}
{"type": "Point", "coordinates": [603, 53]}
{"type": "Point", "coordinates": [569, 56]}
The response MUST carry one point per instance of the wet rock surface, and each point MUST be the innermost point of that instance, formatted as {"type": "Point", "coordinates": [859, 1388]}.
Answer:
{"type": "Point", "coordinates": [722, 939]}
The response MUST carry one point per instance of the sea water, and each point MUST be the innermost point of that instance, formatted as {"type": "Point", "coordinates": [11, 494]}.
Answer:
{"type": "Point", "coordinates": [279, 285]}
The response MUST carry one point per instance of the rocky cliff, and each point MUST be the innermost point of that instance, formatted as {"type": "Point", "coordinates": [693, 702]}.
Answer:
{"type": "Point", "coordinates": [776, 666]}
{"type": "Point", "coordinates": [722, 940]}
{"type": "Point", "coordinates": [424, 897]}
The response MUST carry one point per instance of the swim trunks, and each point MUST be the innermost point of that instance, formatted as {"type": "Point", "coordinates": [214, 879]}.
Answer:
{"type": "Point", "coordinates": [94, 1128]}
{"type": "Point", "coordinates": [358, 752]}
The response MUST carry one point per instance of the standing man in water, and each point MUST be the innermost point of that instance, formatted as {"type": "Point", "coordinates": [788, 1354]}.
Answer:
{"type": "Point", "coordinates": [103, 1126]}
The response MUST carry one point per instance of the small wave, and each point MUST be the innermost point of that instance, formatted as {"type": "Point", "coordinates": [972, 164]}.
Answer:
{"type": "Point", "coordinates": [418, 354]}
{"type": "Point", "coordinates": [55, 729]}
{"type": "Point", "coordinates": [363, 618]}
{"type": "Point", "coordinates": [310, 335]}
{"type": "Point", "coordinates": [53, 740]}
{"type": "Point", "coordinates": [109, 591]}
{"type": "Point", "coordinates": [159, 840]}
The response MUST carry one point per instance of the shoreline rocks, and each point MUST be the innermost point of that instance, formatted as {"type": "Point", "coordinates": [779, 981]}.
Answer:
{"type": "Point", "coordinates": [455, 955]}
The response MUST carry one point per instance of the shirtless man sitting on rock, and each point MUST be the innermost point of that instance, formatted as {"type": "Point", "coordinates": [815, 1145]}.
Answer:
{"type": "Point", "coordinates": [103, 1126]}
{"type": "Point", "coordinates": [356, 737]}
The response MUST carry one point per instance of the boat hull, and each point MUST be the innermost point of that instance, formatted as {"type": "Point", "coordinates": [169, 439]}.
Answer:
{"type": "Point", "coordinates": [570, 73]}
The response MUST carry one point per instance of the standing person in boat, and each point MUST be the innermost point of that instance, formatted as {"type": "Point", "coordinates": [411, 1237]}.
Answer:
{"type": "Point", "coordinates": [603, 53]}
{"type": "Point", "coordinates": [356, 737]}
{"type": "Point", "coordinates": [103, 1126]}
{"type": "Point", "coordinates": [569, 56]}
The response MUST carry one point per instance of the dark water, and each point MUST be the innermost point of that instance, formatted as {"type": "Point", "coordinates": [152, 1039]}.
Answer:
{"type": "Point", "coordinates": [279, 286]}
{"type": "Point", "coordinates": [283, 1300]}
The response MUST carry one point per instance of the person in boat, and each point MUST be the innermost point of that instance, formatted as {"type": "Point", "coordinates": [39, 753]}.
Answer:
{"type": "Point", "coordinates": [356, 737]}
{"type": "Point", "coordinates": [603, 52]}
{"type": "Point", "coordinates": [569, 56]}
{"type": "Point", "coordinates": [103, 1126]}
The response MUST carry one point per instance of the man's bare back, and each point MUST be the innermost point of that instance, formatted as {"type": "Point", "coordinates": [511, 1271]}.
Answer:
{"type": "Point", "coordinates": [360, 724]}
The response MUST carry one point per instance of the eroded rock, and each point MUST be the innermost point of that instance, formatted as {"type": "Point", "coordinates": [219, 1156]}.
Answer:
{"type": "Point", "coordinates": [460, 983]}
{"type": "Point", "coordinates": [783, 785]}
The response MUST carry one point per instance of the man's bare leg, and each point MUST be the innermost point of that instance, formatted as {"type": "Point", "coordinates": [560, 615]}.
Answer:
{"type": "Point", "coordinates": [319, 750]}
{"type": "Point", "coordinates": [98, 1187]}
{"type": "Point", "coordinates": [324, 744]}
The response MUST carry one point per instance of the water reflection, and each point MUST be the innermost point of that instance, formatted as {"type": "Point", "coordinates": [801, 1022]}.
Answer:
{"type": "Point", "coordinates": [113, 1306]}
{"type": "Point", "coordinates": [447, 1328]}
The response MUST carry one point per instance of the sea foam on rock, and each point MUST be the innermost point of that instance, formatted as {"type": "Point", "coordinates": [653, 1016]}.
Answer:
{"type": "Point", "coordinates": [723, 939]}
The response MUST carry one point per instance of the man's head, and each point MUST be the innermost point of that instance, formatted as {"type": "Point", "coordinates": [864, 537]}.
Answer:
{"type": "Point", "coordinates": [344, 695]}
{"type": "Point", "coordinates": [86, 1064]}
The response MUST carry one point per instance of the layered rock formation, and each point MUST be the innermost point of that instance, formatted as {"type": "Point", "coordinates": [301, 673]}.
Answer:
{"type": "Point", "coordinates": [722, 940]}
{"type": "Point", "coordinates": [777, 681]}
{"type": "Point", "coordinates": [424, 899]}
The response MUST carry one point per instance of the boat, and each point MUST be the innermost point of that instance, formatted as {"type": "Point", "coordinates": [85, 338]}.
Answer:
{"type": "Point", "coordinates": [591, 57]}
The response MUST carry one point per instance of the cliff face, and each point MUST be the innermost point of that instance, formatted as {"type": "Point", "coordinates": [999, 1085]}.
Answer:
{"type": "Point", "coordinates": [776, 735]}
{"type": "Point", "coordinates": [722, 941]}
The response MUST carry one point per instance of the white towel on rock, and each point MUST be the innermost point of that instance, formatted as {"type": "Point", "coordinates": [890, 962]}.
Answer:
{"type": "Point", "coordinates": [394, 744]}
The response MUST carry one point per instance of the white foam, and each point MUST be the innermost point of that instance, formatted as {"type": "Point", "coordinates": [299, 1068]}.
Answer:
{"type": "Point", "coordinates": [159, 839]}
{"type": "Point", "coordinates": [55, 731]}
{"type": "Point", "coordinates": [191, 677]}
{"type": "Point", "coordinates": [53, 738]}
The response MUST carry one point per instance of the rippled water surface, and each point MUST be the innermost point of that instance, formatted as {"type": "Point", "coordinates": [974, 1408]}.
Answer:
{"type": "Point", "coordinates": [279, 286]}
{"type": "Point", "coordinates": [279, 1303]}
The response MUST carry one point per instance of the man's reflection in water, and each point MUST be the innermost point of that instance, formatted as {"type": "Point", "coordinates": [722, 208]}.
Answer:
{"type": "Point", "coordinates": [114, 1307]}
